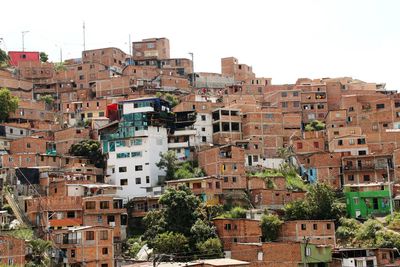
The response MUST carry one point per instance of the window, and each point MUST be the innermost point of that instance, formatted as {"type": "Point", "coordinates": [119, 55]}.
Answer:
{"type": "Point", "coordinates": [315, 226]}
{"type": "Point", "coordinates": [136, 154]}
{"type": "Point", "coordinates": [138, 168]}
{"type": "Point", "coordinates": [295, 93]}
{"type": "Point", "coordinates": [147, 179]}
{"type": "Point", "coordinates": [104, 235]}
{"type": "Point", "coordinates": [203, 129]}
{"type": "Point", "coordinates": [380, 106]}
{"type": "Point", "coordinates": [138, 180]}
{"type": "Point", "coordinates": [316, 145]}
{"type": "Point", "coordinates": [284, 104]}
{"type": "Point", "coordinates": [203, 117]}
{"type": "Point", "coordinates": [28, 145]}
{"type": "Point", "coordinates": [225, 179]}
{"type": "Point", "coordinates": [350, 177]}
{"type": "Point", "coordinates": [269, 116]}
{"type": "Point", "coordinates": [366, 178]}
{"type": "Point", "coordinates": [296, 104]}
{"type": "Point", "coordinates": [104, 251]}
{"type": "Point", "coordinates": [234, 166]}
{"type": "Point", "coordinates": [104, 265]}
{"type": "Point", "coordinates": [328, 226]}
{"type": "Point", "coordinates": [81, 77]}
{"type": "Point", "coordinates": [90, 205]}
{"type": "Point", "coordinates": [101, 114]}
{"type": "Point", "coordinates": [284, 94]}
{"type": "Point", "coordinates": [90, 235]}
{"type": "Point", "coordinates": [71, 214]}
{"type": "Point", "coordinates": [90, 115]}
{"type": "Point", "coordinates": [137, 142]}
{"type": "Point", "coordinates": [122, 169]}
{"type": "Point", "coordinates": [234, 179]}
{"type": "Point", "coordinates": [299, 145]}
{"type": "Point", "coordinates": [351, 109]}
{"type": "Point", "coordinates": [73, 253]}
{"type": "Point", "coordinates": [351, 141]}
{"type": "Point", "coordinates": [362, 152]}
{"type": "Point", "coordinates": [340, 142]}
{"type": "Point", "coordinates": [123, 182]}
{"type": "Point", "coordinates": [228, 226]}
{"type": "Point", "coordinates": [303, 226]}
{"type": "Point", "coordinates": [104, 205]}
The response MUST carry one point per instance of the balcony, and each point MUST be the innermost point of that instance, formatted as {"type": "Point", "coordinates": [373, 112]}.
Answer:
{"type": "Point", "coordinates": [178, 145]}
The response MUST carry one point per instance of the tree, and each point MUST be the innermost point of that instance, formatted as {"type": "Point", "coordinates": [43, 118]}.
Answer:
{"type": "Point", "coordinates": [201, 231]}
{"type": "Point", "coordinates": [314, 125]}
{"type": "Point", "coordinates": [168, 162]}
{"type": "Point", "coordinates": [40, 252]}
{"type": "Point", "coordinates": [270, 226]}
{"type": "Point", "coordinates": [211, 248]}
{"type": "Point", "coordinates": [4, 58]}
{"type": "Point", "coordinates": [347, 231]}
{"type": "Point", "coordinates": [59, 67]}
{"type": "Point", "coordinates": [8, 103]}
{"type": "Point", "coordinates": [180, 209]}
{"type": "Point", "coordinates": [43, 57]}
{"type": "Point", "coordinates": [48, 99]}
{"type": "Point", "coordinates": [154, 224]}
{"type": "Point", "coordinates": [188, 170]}
{"type": "Point", "coordinates": [170, 243]}
{"type": "Point", "coordinates": [320, 203]}
{"type": "Point", "coordinates": [90, 149]}
{"type": "Point", "coordinates": [296, 210]}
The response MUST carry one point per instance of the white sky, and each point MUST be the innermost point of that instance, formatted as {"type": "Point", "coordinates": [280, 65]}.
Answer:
{"type": "Point", "coordinates": [282, 39]}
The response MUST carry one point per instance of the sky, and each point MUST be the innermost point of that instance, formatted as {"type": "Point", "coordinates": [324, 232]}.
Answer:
{"type": "Point", "coordinates": [280, 39]}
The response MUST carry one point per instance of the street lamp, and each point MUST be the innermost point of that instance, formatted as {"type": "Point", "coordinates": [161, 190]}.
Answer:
{"type": "Point", "coordinates": [193, 82]}
{"type": "Point", "coordinates": [23, 39]}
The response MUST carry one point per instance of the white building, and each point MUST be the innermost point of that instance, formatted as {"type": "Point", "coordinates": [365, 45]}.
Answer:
{"type": "Point", "coordinates": [134, 147]}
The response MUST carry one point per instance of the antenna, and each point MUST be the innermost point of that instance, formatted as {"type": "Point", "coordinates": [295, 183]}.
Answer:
{"type": "Point", "coordinates": [23, 39]}
{"type": "Point", "coordinates": [84, 37]}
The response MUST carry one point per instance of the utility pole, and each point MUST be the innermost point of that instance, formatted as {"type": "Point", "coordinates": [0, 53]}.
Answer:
{"type": "Point", "coordinates": [390, 188]}
{"type": "Point", "coordinates": [23, 39]}
{"type": "Point", "coordinates": [193, 82]}
{"type": "Point", "coordinates": [130, 49]}
{"type": "Point", "coordinates": [84, 37]}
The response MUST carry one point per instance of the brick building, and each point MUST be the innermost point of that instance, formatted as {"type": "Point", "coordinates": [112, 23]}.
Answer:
{"type": "Point", "coordinates": [12, 250]}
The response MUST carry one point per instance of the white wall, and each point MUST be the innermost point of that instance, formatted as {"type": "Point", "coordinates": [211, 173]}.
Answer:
{"type": "Point", "coordinates": [207, 125]}
{"type": "Point", "coordinates": [152, 144]}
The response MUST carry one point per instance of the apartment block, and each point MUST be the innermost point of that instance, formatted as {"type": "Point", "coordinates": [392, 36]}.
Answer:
{"type": "Point", "coordinates": [232, 231]}
{"type": "Point", "coordinates": [226, 162]}
{"type": "Point", "coordinates": [152, 48]}
{"type": "Point", "coordinates": [13, 250]}
{"type": "Point", "coordinates": [227, 126]}
{"type": "Point", "coordinates": [319, 232]}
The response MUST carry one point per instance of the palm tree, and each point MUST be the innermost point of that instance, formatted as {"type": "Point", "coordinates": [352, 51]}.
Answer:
{"type": "Point", "coordinates": [39, 252]}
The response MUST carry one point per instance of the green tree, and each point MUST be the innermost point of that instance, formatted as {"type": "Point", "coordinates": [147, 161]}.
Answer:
{"type": "Point", "coordinates": [211, 248]}
{"type": "Point", "coordinates": [43, 57]}
{"type": "Point", "coordinates": [270, 227]}
{"type": "Point", "coordinates": [314, 125]}
{"type": "Point", "coordinates": [180, 209]}
{"type": "Point", "coordinates": [201, 231]}
{"type": "Point", "coordinates": [347, 231]}
{"type": "Point", "coordinates": [134, 246]}
{"type": "Point", "coordinates": [40, 253]}
{"type": "Point", "coordinates": [8, 103]}
{"type": "Point", "coordinates": [296, 210]}
{"type": "Point", "coordinates": [168, 162]}
{"type": "Point", "coordinates": [154, 224]}
{"type": "Point", "coordinates": [60, 66]}
{"type": "Point", "coordinates": [367, 232]}
{"type": "Point", "coordinates": [48, 99]}
{"type": "Point", "coordinates": [237, 212]}
{"type": "Point", "coordinates": [170, 243]}
{"type": "Point", "coordinates": [4, 59]}
{"type": "Point", "coordinates": [320, 203]}
{"type": "Point", "coordinates": [90, 149]}
{"type": "Point", "coordinates": [188, 170]}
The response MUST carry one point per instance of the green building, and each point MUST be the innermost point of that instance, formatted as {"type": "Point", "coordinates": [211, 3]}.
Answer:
{"type": "Point", "coordinates": [315, 255]}
{"type": "Point", "coordinates": [364, 200]}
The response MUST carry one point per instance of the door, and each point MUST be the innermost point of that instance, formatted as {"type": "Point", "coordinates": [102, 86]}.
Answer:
{"type": "Point", "coordinates": [250, 159]}
{"type": "Point", "coordinates": [375, 202]}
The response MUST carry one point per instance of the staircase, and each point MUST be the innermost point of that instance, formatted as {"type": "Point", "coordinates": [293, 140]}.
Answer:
{"type": "Point", "coordinates": [19, 214]}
